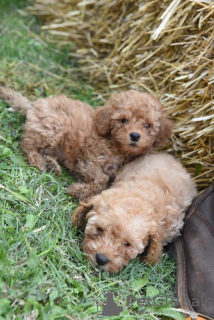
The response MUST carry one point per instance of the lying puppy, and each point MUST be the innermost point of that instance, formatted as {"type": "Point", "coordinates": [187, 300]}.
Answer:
{"type": "Point", "coordinates": [91, 144]}
{"type": "Point", "coordinates": [142, 212]}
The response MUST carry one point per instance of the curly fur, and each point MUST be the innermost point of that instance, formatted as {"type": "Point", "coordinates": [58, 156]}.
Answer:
{"type": "Point", "coordinates": [139, 214]}
{"type": "Point", "coordinates": [93, 145]}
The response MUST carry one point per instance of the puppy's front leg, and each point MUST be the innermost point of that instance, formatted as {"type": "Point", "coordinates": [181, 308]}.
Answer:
{"type": "Point", "coordinates": [84, 190]}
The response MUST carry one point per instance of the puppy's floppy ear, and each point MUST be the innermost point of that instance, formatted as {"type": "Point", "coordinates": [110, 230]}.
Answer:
{"type": "Point", "coordinates": [78, 217]}
{"type": "Point", "coordinates": [103, 120]}
{"type": "Point", "coordinates": [153, 251]}
{"type": "Point", "coordinates": [165, 130]}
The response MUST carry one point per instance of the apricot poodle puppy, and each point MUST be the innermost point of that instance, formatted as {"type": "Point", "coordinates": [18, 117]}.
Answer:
{"type": "Point", "coordinates": [93, 145]}
{"type": "Point", "coordinates": [139, 214]}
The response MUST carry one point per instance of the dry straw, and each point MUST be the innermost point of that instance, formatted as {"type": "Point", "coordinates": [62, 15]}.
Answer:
{"type": "Point", "coordinates": [162, 47]}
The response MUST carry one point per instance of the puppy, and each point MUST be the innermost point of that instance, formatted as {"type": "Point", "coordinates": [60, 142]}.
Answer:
{"type": "Point", "coordinates": [93, 145]}
{"type": "Point", "coordinates": [142, 212]}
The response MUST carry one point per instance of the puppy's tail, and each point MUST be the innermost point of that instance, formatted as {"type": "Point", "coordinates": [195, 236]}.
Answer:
{"type": "Point", "coordinates": [15, 100]}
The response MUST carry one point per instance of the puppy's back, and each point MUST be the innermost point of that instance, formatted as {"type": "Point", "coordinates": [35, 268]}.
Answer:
{"type": "Point", "coordinates": [61, 111]}
{"type": "Point", "coordinates": [162, 171]}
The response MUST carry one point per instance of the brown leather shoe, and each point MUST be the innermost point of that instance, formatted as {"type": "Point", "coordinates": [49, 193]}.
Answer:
{"type": "Point", "coordinates": [194, 255]}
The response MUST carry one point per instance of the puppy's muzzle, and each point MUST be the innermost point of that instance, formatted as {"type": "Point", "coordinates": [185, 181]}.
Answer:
{"type": "Point", "coordinates": [134, 136]}
{"type": "Point", "coordinates": [101, 259]}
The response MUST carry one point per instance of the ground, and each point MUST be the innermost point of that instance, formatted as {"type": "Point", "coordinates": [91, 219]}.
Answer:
{"type": "Point", "coordinates": [43, 271]}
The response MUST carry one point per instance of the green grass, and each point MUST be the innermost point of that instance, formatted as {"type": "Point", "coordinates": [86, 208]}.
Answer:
{"type": "Point", "coordinates": [43, 271]}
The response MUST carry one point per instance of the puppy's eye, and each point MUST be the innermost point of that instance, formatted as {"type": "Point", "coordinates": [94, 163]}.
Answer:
{"type": "Point", "coordinates": [147, 125]}
{"type": "Point", "coordinates": [99, 230]}
{"type": "Point", "coordinates": [127, 244]}
{"type": "Point", "coordinates": [124, 120]}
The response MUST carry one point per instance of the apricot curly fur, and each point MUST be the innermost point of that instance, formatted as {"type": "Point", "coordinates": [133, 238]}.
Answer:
{"type": "Point", "coordinates": [142, 211]}
{"type": "Point", "coordinates": [93, 145]}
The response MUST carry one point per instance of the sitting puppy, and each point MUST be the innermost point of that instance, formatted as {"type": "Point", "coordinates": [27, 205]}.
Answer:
{"type": "Point", "coordinates": [91, 144]}
{"type": "Point", "coordinates": [142, 212]}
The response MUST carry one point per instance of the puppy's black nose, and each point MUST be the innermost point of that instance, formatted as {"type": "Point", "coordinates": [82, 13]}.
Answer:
{"type": "Point", "coordinates": [134, 136]}
{"type": "Point", "coordinates": [101, 259]}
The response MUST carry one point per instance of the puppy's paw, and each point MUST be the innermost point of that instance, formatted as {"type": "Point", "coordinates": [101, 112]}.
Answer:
{"type": "Point", "coordinates": [52, 165]}
{"type": "Point", "coordinates": [111, 170]}
{"type": "Point", "coordinates": [36, 160]}
{"type": "Point", "coordinates": [77, 190]}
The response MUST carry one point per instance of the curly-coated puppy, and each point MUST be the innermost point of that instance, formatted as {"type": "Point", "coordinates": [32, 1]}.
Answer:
{"type": "Point", "coordinates": [93, 145]}
{"type": "Point", "coordinates": [139, 214]}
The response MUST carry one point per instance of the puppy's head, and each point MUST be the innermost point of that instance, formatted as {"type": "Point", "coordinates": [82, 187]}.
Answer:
{"type": "Point", "coordinates": [116, 229]}
{"type": "Point", "coordinates": [136, 122]}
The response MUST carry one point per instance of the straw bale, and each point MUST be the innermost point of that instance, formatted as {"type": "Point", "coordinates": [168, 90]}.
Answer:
{"type": "Point", "coordinates": [162, 47]}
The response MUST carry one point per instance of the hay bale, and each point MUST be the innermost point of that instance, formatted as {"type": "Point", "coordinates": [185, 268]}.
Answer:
{"type": "Point", "coordinates": [162, 47]}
